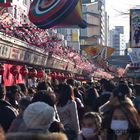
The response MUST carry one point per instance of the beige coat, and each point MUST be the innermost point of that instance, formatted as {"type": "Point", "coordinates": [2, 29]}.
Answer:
{"type": "Point", "coordinates": [69, 116]}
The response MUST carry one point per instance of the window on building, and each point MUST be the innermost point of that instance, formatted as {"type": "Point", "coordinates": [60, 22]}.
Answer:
{"type": "Point", "coordinates": [83, 32]}
{"type": "Point", "coordinates": [84, 8]}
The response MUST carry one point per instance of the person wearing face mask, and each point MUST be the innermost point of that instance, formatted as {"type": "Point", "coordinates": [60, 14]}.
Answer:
{"type": "Point", "coordinates": [125, 125]}
{"type": "Point", "coordinates": [123, 122]}
{"type": "Point", "coordinates": [91, 125]}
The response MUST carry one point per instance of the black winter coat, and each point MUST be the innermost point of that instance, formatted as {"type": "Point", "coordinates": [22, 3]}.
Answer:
{"type": "Point", "coordinates": [7, 114]}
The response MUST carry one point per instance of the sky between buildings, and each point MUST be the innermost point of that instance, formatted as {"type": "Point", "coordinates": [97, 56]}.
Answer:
{"type": "Point", "coordinates": [116, 8]}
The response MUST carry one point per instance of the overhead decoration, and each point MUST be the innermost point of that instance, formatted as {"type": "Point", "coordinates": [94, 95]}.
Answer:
{"type": "Point", "coordinates": [49, 13]}
{"type": "Point", "coordinates": [33, 72]}
{"type": "Point", "coordinates": [6, 18]}
{"type": "Point", "coordinates": [110, 51]}
{"type": "Point", "coordinates": [100, 52]}
{"type": "Point", "coordinates": [58, 76]}
{"type": "Point", "coordinates": [40, 73]}
{"type": "Point", "coordinates": [44, 42]}
{"type": "Point", "coordinates": [93, 50]}
{"type": "Point", "coordinates": [53, 74]}
{"type": "Point", "coordinates": [24, 71]}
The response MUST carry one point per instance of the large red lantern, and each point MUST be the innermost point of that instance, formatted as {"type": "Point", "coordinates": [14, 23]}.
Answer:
{"type": "Point", "coordinates": [59, 75]}
{"type": "Point", "coordinates": [56, 75]}
{"type": "Point", "coordinates": [33, 72]}
{"type": "Point", "coordinates": [67, 76]}
{"type": "Point", "coordinates": [70, 75]}
{"type": "Point", "coordinates": [24, 71]}
{"type": "Point", "coordinates": [77, 78]}
{"type": "Point", "coordinates": [40, 73]}
{"type": "Point", "coordinates": [62, 75]}
{"type": "Point", "coordinates": [14, 71]}
{"type": "Point", "coordinates": [1, 69]}
{"type": "Point", "coordinates": [53, 74]}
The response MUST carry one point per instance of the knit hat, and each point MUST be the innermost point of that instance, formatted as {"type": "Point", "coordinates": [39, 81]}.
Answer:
{"type": "Point", "coordinates": [38, 115]}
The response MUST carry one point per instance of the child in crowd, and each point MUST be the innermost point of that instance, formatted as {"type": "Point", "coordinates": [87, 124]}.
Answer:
{"type": "Point", "coordinates": [91, 125]}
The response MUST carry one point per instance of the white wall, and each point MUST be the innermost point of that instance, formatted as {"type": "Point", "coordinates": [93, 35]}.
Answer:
{"type": "Point", "coordinates": [20, 9]}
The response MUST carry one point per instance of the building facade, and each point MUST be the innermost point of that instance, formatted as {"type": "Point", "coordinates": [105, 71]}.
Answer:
{"type": "Point", "coordinates": [19, 10]}
{"type": "Point", "coordinates": [97, 19]}
{"type": "Point", "coordinates": [101, 8]}
{"type": "Point", "coordinates": [106, 29]}
{"type": "Point", "coordinates": [91, 34]}
{"type": "Point", "coordinates": [72, 36]}
{"type": "Point", "coordinates": [117, 40]}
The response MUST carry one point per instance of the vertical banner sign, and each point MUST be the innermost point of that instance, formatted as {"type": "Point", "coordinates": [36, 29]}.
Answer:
{"type": "Point", "coordinates": [135, 28]}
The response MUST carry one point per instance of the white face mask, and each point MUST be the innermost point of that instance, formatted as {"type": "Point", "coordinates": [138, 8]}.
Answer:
{"type": "Point", "coordinates": [119, 126]}
{"type": "Point", "coordinates": [88, 132]}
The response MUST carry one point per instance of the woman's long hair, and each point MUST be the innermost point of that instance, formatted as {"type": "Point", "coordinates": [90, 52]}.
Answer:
{"type": "Point", "coordinates": [133, 118]}
{"type": "Point", "coordinates": [126, 106]}
{"type": "Point", "coordinates": [131, 114]}
{"type": "Point", "coordinates": [66, 94]}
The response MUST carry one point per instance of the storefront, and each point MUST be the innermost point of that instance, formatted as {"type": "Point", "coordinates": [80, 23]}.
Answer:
{"type": "Point", "coordinates": [20, 61]}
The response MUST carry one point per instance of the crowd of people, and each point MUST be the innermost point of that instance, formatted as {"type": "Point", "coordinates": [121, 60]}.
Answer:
{"type": "Point", "coordinates": [71, 110]}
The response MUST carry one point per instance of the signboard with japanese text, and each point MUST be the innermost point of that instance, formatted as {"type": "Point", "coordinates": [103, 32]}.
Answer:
{"type": "Point", "coordinates": [70, 67]}
{"type": "Point", "coordinates": [50, 62]}
{"type": "Point", "coordinates": [56, 63]}
{"type": "Point", "coordinates": [60, 64]}
{"type": "Point", "coordinates": [134, 54]}
{"type": "Point", "coordinates": [17, 53]}
{"type": "Point", "coordinates": [135, 28]}
{"type": "Point", "coordinates": [78, 70]}
{"type": "Point", "coordinates": [4, 50]}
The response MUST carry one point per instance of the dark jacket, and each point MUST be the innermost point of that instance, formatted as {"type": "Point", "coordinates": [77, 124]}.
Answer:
{"type": "Point", "coordinates": [103, 98]}
{"type": "Point", "coordinates": [91, 99]}
{"type": "Point", "coordinates": [7, 114]}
